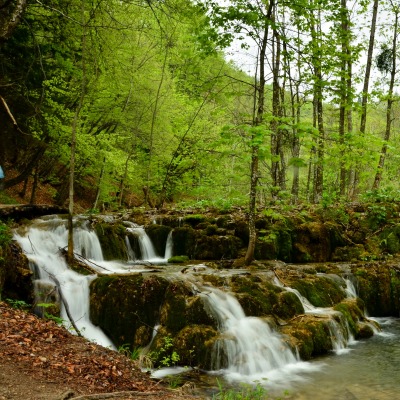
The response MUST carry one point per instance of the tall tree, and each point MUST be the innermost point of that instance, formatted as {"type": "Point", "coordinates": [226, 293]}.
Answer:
{"type": "Point", "coordinates": [387, 63]}
{"type": "Point", "coordinates": [365, 92]}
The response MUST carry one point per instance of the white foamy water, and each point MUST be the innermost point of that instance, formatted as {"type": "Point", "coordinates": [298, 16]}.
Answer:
{"type": "Point", "coordinates": [42, 243]}
{"type": "Point", "coordinates": [253, 350]}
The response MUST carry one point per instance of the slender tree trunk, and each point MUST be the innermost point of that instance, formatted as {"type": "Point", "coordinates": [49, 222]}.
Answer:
{"type": "Point", "coordinates": [378, 176]}
{"type": "Point", "coordinates": [275, 134]}
{"type": "Point", "coordinates": [10, 14]}
{"type": "Point", "coordinates": [345, 96]}
{"type": "Point", "coordinates": [153, 122]}
{"type": "Point", "coordinates": [296, 115]}
{"type": "Point", "coordinates": [343, 102]}
{"type": "Point", "coordinates": [257, 120]}
{"type": "Point", "coordinates": [96, 201]}
{"type": "Point", "coordinates": [34, 185]}
{"type": "Point", "coordinates": [364, 100]}
{"type": "Point", "coordinates": [318, 99]}
{"type": "Point", "coordinates": [70, 252]}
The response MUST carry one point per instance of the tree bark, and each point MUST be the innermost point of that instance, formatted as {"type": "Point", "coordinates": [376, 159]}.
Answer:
{"type": "Point", "coordinates": [10, 15]}
{"type": "Point", "coordinates": [364, 99]}
{"type": "Point", "coordinates": [381, 163]}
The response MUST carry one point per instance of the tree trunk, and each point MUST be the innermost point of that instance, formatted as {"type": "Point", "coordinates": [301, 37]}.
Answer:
{"type": "Point", "coordinates": [257, 120]}
{"type": "Point", "coordinates": [378, 176]}
{"type": "Point", "coordinates": [70, 253]}
{"type": "Point", "coordinates": [10, 15]}
{"type": "Point", "coordinates": [364, 99]}
{"type": "Point", "coordinates": [345, 92]}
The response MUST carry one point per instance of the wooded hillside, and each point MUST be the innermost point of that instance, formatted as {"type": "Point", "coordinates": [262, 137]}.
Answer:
{"type": "Point", "coordinates": [138, 97]}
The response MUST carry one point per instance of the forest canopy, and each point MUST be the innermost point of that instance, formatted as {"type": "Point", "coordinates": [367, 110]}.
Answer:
{"type": "Point", "coordinates": [144, 95]}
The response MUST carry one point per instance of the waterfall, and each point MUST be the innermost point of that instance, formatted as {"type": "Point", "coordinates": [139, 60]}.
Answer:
{"type": "Point", "coordinates": [41, 244]}
{"type": "Point", "coordinates": [350, 288]}
{"type": "Point", "coordinates": [146, 246]}
{"type": "Point", "coordinates": [168, 246]}
{"type": "Point", "coordinates": [129, 250]}
{"type": "Point", "coordinates": [250, 346]}
{"type": "Point", "coordinates": [340, 332]}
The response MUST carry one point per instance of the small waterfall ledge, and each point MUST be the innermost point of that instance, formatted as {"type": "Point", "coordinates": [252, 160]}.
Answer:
{"type": "Point", "coordinates": [246, 324]}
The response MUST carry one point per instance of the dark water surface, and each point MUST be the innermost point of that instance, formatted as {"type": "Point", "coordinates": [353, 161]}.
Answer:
{"type": "Point", "coordinates": [369, 371]}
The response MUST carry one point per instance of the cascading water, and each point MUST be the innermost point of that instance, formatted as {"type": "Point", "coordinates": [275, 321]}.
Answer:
{"type": "Point", "coordinates": [252, 350]}
{"type": "Point", "coordinates": [168, 246]}
{"type": "Point", "coordinates": [42, 244]}
{"type": "Point", "coordinates": [146, 246]}
{"type": "Point", "coordinates": [340, 332]}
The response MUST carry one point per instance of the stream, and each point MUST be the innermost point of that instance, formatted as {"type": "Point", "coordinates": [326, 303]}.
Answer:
{"type": "Point", "coordinates": [369, 371]}
{"type": "Point", "coordinates": [356, 370]}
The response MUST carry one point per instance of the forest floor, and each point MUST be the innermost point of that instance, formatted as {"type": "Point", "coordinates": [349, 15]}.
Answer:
{"type": "Point", "coordinates": [41, 360]}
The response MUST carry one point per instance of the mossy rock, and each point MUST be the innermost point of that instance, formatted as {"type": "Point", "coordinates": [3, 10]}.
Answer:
{"type": "Point", "coordinates": [173, 310]}
{"type": "Point", "coordinates": [217, 247]}
{"type": "Point", "coordinates": [242, 231]}
{"type": "Point", "coordinates": [15, 275]}
{"type": "Point", "coordinates": [158, 235]}
{"type": "Point", "coordinates": [112, 240]}
{"type": "Point", "coordinates": [195, 345]}
{"type": "Point", "coordinates": [287, 306]}
{"type": "Point", "coordinates": [364, 331]}
{"type": "Point", "coordinates": [312, 335]}
{"type": "Point", "coordinates": [178, 259]}
{"type": "Point", "coordinates": [120, 305]}
{"type": "Point", "coordinates": [319, 290]}
{"type": "Point", "coordinates": [348, 253]}
{"type": "Point", "coordinates": [351, 311]}
{"type": "Point", "coordinates": [378, 286]}
{"type": "Point", "coordinates": [390, 239]}
{"type": "Point", "coordinates": [184, 241]}
{"type": "Point", "coordinates": [257, 297]}
{"type": "Point", "coordinates": [314, 241]}
{"type": "Point", "coordinates": [194, 219]}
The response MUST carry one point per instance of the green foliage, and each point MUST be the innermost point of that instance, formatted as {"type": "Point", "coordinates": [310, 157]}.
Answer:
{"type": "Point", "coordinates": [19, 304]}
{"type": "Point", "coordinates": [244, 392]}
{"type": "Point", "coordinates": [51, 317]}
{"type": "Point", "coordinates": [178, 259]}
{"type": "Point", "coordinates": [384, 59]}
{"type": "Point", "coordinates": [133, 354]}
{"type": "Point", "coordinates": [165, 356]}
{"type": "Point", "coordinates": [5, 234]}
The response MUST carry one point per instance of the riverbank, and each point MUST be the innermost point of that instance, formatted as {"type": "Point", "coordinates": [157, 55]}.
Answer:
{"type": "Point", "coordinates": [41, 361]}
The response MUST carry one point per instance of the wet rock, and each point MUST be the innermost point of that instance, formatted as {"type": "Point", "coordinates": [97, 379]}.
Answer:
{"type": "Point", "coordinates": [120, 305]}
{"type": "Point", "coordinates": [15, 274]}
{"type": "Point", "coordinates": [158, 235]}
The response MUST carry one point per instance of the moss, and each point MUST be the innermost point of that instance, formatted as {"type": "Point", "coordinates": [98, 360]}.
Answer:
{"type": "Point", "coordinates": [374, 283]}
{"type": "Point", "coordinates": [311, 335]}
{"type": "Point", "coordinates": [15, 274]}
{"type": "Point", "coordinates": [184, 241]}
{"type": "Point", "coordinates": [255, 296]}
{"type": "Point", "coordinates": [178, 259]}
{"type": "Point", "coordinates": [319, 290]}
{"type": "Point", "coordinates": [288, 306]}
{"type": "Point", "coordinates": [158, 235]}
{"type": "Point", "coordinates": [194, 344]}
{"type": "Point", "coordinates": [112, 240]}
{"type": "Point", "coordinates": [350, 310]}
{"type": "Point", "coordinates": [194, 219]}
{"type": "Point", "coordinates": [120, 305]}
